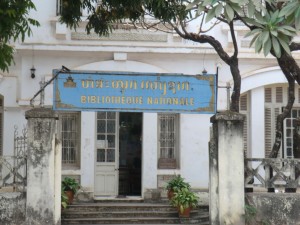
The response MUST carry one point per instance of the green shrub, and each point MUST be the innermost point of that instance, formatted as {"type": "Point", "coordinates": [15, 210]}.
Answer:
{"type": "Point", "coordinates": [184, 198]}
{"type": "Point", "coordinates": [177, 183]}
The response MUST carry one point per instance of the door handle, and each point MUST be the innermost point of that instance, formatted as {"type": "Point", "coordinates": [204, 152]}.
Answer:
{"type": "Point", "coordinates": [116, 169]}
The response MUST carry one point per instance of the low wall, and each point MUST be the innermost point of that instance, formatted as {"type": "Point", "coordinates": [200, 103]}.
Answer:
{"type": "Point", "coordinates": [276, 208]}
{"type": "Point", "coordinates": [12, 208]}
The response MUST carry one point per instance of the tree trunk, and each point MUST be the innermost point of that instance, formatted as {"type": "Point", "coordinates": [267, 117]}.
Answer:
{"type": "Point", "coordinates": [290, 69]}
{"type": "Point", "coordinates": [235, 96]}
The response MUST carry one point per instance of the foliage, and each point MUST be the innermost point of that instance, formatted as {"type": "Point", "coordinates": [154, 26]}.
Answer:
{"type": "Point", "coordinates": [177, 183]}
{"type": "Point", "coordinates": [274, 30]}
{"type": "Point", "coordinates": [184, 198]}
{"type": "Point", "coordinates": [14, 23]}
{"type": "Point", "coordinates": [70, 184]}
{"type": "Point", "coordinates": [64, 200]}
{"type": "Point", "coordinates": [273, 26]}
{"type": "Point", "coordinates": [250, 214]}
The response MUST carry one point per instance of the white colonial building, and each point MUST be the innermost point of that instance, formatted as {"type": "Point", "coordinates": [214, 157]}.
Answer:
{"type": "Point", "coordinates": [123, 153]}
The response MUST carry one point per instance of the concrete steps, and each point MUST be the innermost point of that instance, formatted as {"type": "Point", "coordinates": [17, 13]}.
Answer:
{"type": "Point", "coordinates": [130, 213]}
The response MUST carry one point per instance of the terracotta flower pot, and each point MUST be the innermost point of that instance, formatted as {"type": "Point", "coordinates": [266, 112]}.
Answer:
{"type": "Point", "coordinates": [170, 194]}
{"type": "Point", "coordinates": [70, 195]}
{"type": "Point", "coordinates": [186, 212]}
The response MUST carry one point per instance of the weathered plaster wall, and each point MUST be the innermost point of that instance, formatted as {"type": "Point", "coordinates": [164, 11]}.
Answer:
{"type": "Point", "coordinates": [40, 202]}
{"type": "Point", "coordinates": [227, 178]}
{"type": "Point", "coordinates": [12, 208]}
{"type": "Point", "coordinates": [277, 208]}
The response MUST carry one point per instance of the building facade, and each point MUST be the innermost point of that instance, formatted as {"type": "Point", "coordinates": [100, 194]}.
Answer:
{"type": "Point", "coordinates": [116, 153]}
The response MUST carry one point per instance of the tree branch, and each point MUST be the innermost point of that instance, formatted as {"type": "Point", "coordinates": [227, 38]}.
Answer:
{"type": "Point", "coordinates": [234, 41]}
{"type": "Point", "coordinates": [294, 46]}
{"type": "Point", "coordinates": [206, 39]}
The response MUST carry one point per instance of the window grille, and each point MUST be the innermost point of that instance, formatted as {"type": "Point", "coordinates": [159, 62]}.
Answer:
{"type": "Point", "coordinates": [70, 136]}
{"type": "Point", "coordinates": [59, 7]}
{"type": "Point", "coordinates": [168, 137]}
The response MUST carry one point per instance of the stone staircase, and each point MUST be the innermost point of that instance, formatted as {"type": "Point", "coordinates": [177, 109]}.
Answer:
{"type": "Point", "coordinates": [130, 213]}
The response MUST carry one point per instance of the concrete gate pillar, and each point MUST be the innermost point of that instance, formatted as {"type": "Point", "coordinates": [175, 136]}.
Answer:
{"type": "Point", "coordinates": [226, 170]}
{"type": "Point", "coordinates": [41, 202]}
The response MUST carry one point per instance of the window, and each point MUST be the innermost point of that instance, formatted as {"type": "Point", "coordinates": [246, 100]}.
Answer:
{"type": "Point", "coordinates": [289, 126]}
{"type": "Point", "coordinates": [70, 137]}
{"type": "Point", "coordinates": [168, 127]}
{"type": "Point", "coordinates": [106, 136]}
{"type": "Point", "coordinates": [274, 100]}
{"type": "Point", "coordinates": [59, 7]}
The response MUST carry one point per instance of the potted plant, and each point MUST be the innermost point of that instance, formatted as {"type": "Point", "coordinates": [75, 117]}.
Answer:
{"type": "Point", "coordinates": [185, 200]}
{"type": "Point", "coordinates": [175, 184]}
{"type": "Point", "coordinates": [64, 200]}
{"type": "Point", "coordinates": [70, 187]}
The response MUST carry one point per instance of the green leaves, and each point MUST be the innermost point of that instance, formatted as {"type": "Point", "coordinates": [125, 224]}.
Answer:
{"type": "Point", "coordinates": [271, 33]}
{"type": "Point", "coordinates": [14, 24]}
{"type": "Point", "coordinates": [291, 12]}
{"type": "Point", "coordinates": [6, 56]}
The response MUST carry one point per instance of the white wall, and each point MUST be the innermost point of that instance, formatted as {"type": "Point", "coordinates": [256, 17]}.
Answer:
{"type": "Point", "coordinates": [257, 121]}
{"type": "Point", "coordinates": [149, 156]}
{"type": "Point", "coordinates": [194, 137]}
{"type": "Point", "coordinates": [88, 138]}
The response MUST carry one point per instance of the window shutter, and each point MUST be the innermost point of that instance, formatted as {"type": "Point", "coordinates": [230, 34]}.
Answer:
{"type": "Point", "coordinates": [243, 110]}
{"type": "Point", "coordinates": [245, 136]}
{"type": "Point", "coordinates": [243, 103]}
{"type": "Point", "coordinates": [279, 95]}
{"type": "Point", "coordinates": [268, 132]}
{"type": "Point", "coordinates": [268, 95]}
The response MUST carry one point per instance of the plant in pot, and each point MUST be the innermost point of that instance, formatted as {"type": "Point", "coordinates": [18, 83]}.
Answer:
{"type": "Point", "coordinates": [70, 187]}
{"type": "Point", "coordinates": [175, 184]}
{"type": "Point", "coordinates": [64, 200]}
{"type": "Point", "coordinates": [185, 200]}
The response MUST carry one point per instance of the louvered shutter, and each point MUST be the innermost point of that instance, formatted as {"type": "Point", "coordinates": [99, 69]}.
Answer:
{"type": "Point", "coordinates": [268, 131]}
{"type": "Point", "coordinates": [268, 95]}
{"type": "Point", "coordinates": [243, 110]}
{"type": "Point", "coordinates": [279, 95]}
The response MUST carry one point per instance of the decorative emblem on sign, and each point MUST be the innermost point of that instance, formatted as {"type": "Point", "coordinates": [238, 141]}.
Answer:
{"type": "Point", "coordinates": [70, 83]}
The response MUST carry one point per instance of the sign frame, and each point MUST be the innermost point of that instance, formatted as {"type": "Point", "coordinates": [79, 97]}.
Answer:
{"type": "Point", "coordinates": [133, 92]}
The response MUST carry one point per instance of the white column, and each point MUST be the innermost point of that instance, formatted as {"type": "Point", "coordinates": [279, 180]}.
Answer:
{"type": "Point", "coordinates": [57, 181]}
{"type": "Point", "coordinates": [88, 138]}
{"type": "Point", "coordinates": [40, 198]}
{"type": "Point", "coordinates": [149, 157]}
{"type": "Point", "coordinates": [257, 121]}
{"type": "Point", "coordinates": [229, 156]}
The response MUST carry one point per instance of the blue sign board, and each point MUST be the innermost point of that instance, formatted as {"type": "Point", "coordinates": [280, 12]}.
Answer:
{"type": "Point", "coordinates": [142, 92]}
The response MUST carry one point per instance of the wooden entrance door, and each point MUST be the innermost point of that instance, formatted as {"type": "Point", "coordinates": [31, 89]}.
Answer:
{"type": "Point", "coordinates": [106, 165]}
